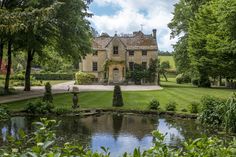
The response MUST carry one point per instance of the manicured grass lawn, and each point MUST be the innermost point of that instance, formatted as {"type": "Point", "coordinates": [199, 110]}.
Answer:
{"type": "Point", "coordinates": [168, 58]}
{"type": "Point", "coordinates": [182, 94]}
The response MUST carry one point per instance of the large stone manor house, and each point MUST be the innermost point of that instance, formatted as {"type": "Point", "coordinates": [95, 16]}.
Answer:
{"type": "Point", "coordinates": [114, 56]}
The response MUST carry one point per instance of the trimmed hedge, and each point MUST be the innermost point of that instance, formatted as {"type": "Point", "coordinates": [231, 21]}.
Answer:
{"type": "Point", "coordinates": [82, 78]}
{"type": "Point", "coordinates": [53, 76]}
{"type": "Point", "coordinates": [183, 78]}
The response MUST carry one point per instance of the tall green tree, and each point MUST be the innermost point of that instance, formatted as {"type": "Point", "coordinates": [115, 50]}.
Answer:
{"type": "Point", "coordinates": [66, 29]}
{"type": "Point", "coordinates": [39, 29]}
{"type": "Point", "coordinates": [75, 34]}
{"type": "Point", "coordinates": [212, 41]}
{"type": "Point", "coordinates": [163, 69]}
{"type": "Point", "coordinates": [61, 24]}
{"type": "Point", "coordinates": [184, 12]}
{"type": "Point", "coordinates": [10, 25]}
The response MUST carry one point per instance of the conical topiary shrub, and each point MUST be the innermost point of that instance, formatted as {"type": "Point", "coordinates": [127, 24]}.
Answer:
{"type": "Point", "coordinates": [117, 97]}
{"type": "Point", "coordinates": [48, 93]}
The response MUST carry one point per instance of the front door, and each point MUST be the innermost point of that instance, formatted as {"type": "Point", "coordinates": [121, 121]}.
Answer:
{"type": "Point", "coordinates": [116, 75]}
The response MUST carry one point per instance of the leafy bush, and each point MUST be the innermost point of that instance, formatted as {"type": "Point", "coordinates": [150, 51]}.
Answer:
{"type": "Point", "coordinates": [230, 114]}
{"type": "Point", "coordinates": [138, 74]}
{"type": "Point", "coordinates": [184, 110]}
{"type": "Point", "coordinates": [171, 106]}
{"type": "Point", "coordinates": [43, 142]}
{"type": "Point", "coordinates": [19, 76]}
{"type": "Point", "coordinates": [220, 113]}
{"type": "Point", "coordinates": [39, 107]}
{"type": "Point", "coordinates": [4, 114]}
{"type": "Point", "coordinates": [60, 111]}
{"type": "Point", "coordinates": [194, 107]}
{"type": "Point", "coordinates": [204, 81]}
{"type": "Point", "coordinates": [22, 83]}
{"type": "Point", "coordinates": [117, 97]}
{"type": "Point", "coordinates": [183, 78]}
{"type": "Point", "coordinates": [154, 105]}
{"type": "Point", "coordinates": [212, 111]}
{"type": "Point", "coordinates": [48, 93]}
{"type": "Point", "coordinates": [53, 76]}
{"type": "Point", "coordinates": [84, 78]}
{"type": "Point", "coordinates": [195, 81]}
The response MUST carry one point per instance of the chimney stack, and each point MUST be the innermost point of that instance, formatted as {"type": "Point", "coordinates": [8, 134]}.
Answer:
{"type": "Point", "coordinates": [154, 33]}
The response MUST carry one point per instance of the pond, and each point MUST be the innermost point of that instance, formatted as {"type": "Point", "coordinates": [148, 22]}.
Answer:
{"type": "Point", "coordinates": [119, 132]}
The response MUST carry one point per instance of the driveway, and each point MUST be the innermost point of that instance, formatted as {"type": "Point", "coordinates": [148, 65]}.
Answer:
{"type": "Point", "coordinates": [66, 87]}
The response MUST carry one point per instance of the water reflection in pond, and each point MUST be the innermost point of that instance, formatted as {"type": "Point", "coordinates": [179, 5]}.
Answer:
{"type": "Point", "coordinates": [117, 131]}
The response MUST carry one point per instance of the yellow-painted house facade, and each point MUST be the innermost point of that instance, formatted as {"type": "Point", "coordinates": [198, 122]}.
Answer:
{"type": "Point", "coordinates": [114, 56]}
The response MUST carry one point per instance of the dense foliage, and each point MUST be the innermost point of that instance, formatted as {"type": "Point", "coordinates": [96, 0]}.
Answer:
{"type": "Point", "coordinates": [154, 105]}
{"type": "Point", "coordinates": [207, 40]}
{"type": "Point", "coordinates": [117, 97]}
{"type": "Point", "coordinates": [194, 107]}
{"type": "Point", "coordinates": [53, 76]}
{"type": "Point", "coordinates": [212, 111]}
{"type": "Point", "coordinates": [219, 113]}
{"type": "Point", "coordinates": [38, 28]}
{"type": "Point", "coordinates": [230, 114]}
{"type": "Point", "coordinates": [39, 107]}
{"type": "Point", "coordinates": [82, 78]}
{"type": "Point", "coordinates": [164, 66]}
{"type": "Point", "coordinates": [4, 114]}
{"type": "Point", "coordinates": [183, 78]}
{"type": "Point", "coordinates": [171, 106]}
{"type": "Point", "coordinates": [141, 74]}
{"type": "Point", "coordinates": [43, 142]}
{"type": "Point", "coordinates": [48, 93]}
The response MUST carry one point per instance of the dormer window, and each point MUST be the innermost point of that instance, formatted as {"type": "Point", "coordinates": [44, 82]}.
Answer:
{"type": "Point", "coordinates": [131, 53]}
{"type": "Point", "coordinates": [115, 50]}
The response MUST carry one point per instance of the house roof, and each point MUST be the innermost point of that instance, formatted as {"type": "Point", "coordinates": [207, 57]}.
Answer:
{"type": "Point", "coordinates": [136, 41]}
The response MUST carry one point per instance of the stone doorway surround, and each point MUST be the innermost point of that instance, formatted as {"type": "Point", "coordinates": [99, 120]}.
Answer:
{"type": "Point", "coordinates": [116, 73]}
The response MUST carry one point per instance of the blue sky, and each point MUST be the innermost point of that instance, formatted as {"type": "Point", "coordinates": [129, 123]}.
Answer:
{"type": "Point", "coordinates": [126, 16]}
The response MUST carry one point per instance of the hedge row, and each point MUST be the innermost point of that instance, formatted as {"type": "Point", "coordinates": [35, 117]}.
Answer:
{"type": "Point", "coordinates": [53, 76]}
{"type": "Point", "coordinates": [14, 77]}
{"type": "Point", "coordinates": [82, 78]}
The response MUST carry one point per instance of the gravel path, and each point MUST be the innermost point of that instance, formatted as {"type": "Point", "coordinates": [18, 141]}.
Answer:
{"type": "Point", "coordinates": [65, 87]}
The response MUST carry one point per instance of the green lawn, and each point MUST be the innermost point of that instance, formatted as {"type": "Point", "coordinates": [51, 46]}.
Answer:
{"type": "Point", "coordinates": [182, 94]}
{"type": "Point", "coordinates": [170, 59]}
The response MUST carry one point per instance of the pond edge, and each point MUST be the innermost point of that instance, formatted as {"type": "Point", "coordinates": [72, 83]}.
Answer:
{"type": "Point", "coordinates": [91, 112]}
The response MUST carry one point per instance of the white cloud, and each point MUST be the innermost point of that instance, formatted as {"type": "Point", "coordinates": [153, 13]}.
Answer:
{"type": "Point", "coordinates": [133, 13]}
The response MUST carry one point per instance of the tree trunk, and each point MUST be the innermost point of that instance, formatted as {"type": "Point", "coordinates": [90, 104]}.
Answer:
{"type": "Point", "coordinates": [220, 80]}
{"type": "Point", "coordinates": [158, 79]}
{"type": "Point", "coordinates": [28, 69]}
{"type": "Point", "coordinates": [1, 54]}
{"type": "Point", "coordinates": [165, 77]}
{"type": "Point", "coordinates": [9, 62]}
{"type": "Point", "coordinates": [227, 82]}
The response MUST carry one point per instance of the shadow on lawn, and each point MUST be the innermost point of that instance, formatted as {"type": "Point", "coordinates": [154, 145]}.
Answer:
{"type": "Point", "coordinates": [174, 85]}
{"type": "Point", "coordinates": [177, 86]}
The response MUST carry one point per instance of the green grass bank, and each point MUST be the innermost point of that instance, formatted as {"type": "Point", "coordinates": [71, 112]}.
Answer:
{"type": "Point", "coordinates": [182, 94]}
